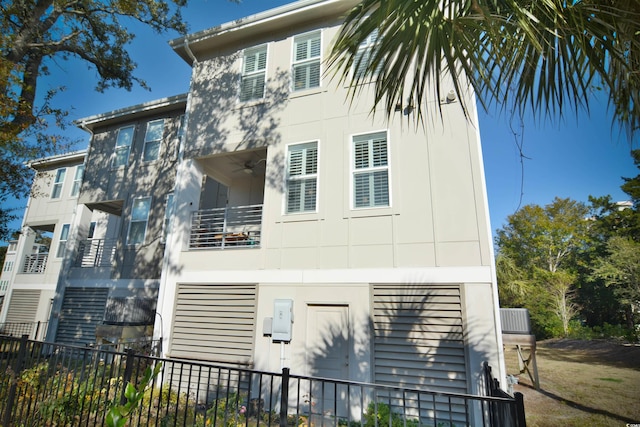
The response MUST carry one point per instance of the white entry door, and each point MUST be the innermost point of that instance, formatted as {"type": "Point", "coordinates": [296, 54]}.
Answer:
{"type": "Point", "coordinates": [328, 341]}
{"type": "Point", "coordinates": [327, 357]}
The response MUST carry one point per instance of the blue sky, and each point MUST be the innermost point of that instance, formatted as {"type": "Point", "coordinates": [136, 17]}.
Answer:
{"type": "Point", "coordinates": [573, 158]}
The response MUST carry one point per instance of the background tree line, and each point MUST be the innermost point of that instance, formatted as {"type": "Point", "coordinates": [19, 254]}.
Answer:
{"type": "Point", "coordinates": [575, 266]}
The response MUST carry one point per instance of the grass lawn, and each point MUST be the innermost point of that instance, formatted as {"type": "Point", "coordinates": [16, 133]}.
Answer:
{"type": "Point", "coordinates": [582, 383]}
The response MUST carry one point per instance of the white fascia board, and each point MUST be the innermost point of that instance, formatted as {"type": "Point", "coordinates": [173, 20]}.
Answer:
{"type": "Point", "coordinates": [433, 275]}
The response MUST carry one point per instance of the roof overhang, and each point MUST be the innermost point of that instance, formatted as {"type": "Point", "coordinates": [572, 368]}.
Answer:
{"type": "Point", "coordinates": [133, 112]}
{"type": "Point", "coordinates": [196, 46]}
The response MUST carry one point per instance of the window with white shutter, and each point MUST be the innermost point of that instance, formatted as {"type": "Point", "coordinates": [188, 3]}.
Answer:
{"type": "Point", "coordinates": [306, 61]}
{"type": "Point", "coordinates": [302, 178]}
{"type": "Point", "coordinates": [254, 68]}
{"type": "Point", "coordinates": [363, 56]}
{"type": "Point", "coordinates": [370, 170]}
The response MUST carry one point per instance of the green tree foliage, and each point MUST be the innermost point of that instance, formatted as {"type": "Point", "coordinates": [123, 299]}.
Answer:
{"type": "Point", "coordinates": [33, 33]}
{"type": "Point", "coordinates": [545, 237]}
{"type": "Point", "coordinates": [537, 251]}
{"type": "Point", "coordinates": [544, 55]}
{"type": "Point", "coordinates": [620, 269]}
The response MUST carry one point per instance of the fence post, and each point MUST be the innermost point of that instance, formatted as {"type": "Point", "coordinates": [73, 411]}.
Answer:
{"type": "Point", "coordinates": [22, 351]}
{"type": "Point", "coordinates": [126, 377]}
{"type": "Point", "coordinates": [284, 397]}
{"type": "Point", "coordinates": [520, 418]}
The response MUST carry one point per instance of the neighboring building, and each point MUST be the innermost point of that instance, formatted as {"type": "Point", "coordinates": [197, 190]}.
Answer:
{"type": "Point", "coordinates": [40, 249]}
{"type": "Point", "coordinates": [109, 288]}
{"type": "Point", "coordinates": [6, 275]}
{"type": "Point", "coordinates": [283, 226]}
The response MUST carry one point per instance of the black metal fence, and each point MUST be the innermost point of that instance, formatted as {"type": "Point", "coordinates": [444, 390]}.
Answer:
{"type": "Point", "coordinates": [46, 384]}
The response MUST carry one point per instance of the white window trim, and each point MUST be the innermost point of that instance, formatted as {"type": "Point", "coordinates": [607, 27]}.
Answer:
{"type": "Point", "coordinates": [352, 170]}
{"type": "Point", "coordinates": [146, 221]}
{"type": "Point", "coordinates": [58, 184]}
{"type": "Point", "coordinates": [253, 74]}
{"type": "Point", "coordinates": [320, 33]}
{"type": "Point", "coordinates": [286, 178]}
{"type": "Point", "coordinates": [116, 146]}
{"type": "Point", "coordinates": [77, 181]}
{"type": "Point", "coordinates": [146, 141]}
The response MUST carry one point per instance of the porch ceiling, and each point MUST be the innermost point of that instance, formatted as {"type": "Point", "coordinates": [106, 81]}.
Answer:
{"type": "Point", "coordinates": [229, 166]}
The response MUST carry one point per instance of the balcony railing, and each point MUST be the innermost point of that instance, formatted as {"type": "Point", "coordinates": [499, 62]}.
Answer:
{"type": "Point", "coordinates": [34, 264]}
{"type": "Point", "coordinates": [221, 228]}
{"type": "Point", "coordinates": [96, 253]}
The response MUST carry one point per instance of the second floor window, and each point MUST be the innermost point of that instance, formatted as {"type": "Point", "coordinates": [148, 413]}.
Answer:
{"type": "Point", "coordinates": [139, 218]}
{"type": "Point", "coordinates": [370, 171]}
{"type": "Point", "coordinates": [306, 61]}
{"type": "Point", "coordinates": [363, 56]}
{"type": "Point", "coordinates": [56, 192]}
{"type": "Point", "coordinates": [64, 236]}
{"type": "Point", "coordinates": [153, 140]}
{"type": "Point", "coordinates": [254, 68]}
{"type": "Point", "coordinates": [123, 145]}
{"type": "Point", "coordinates": [77, 181]}
{"type": "Point", "coordinates": [302, 177]}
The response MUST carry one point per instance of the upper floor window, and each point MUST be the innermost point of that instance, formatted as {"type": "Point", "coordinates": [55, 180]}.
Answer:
{"type": "Point", "coordinates": [123, 145]}
{"type": "Point", "coordinates": [8, 266]}
{"type": "Point", "coordinates": [152, 140]}
{"type": "Point", "coordinates": [370, 170]}
{"type": "Point", "coordinates": [168, 214]}
{"type": "Point", "coordinates": [139, 218]}
{"type": "Point", "coordinates": [363, 56]}
{"type": "Point", "coordinates": [254, 68]}
{"type": "Point", "coordinates": [64, 236]}
{"type": "Point", "coordinates": [302, 177]}
{"type": "Point", "coordinates": [306, 61]}
{"type": "Point", "coordinates": [77, 181]}
{"type": "Point", "coordinates": [56, 192]}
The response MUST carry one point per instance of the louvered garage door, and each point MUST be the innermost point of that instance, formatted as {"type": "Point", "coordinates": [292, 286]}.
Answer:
{"type": "Point", "coordinates": [215, 322]}
{"type": "Point", "coordinates": [82, 310]}
{"type": "Point", "coordinates": [419, 337]}
{"type": "Point", "coordinates": [23, 306]}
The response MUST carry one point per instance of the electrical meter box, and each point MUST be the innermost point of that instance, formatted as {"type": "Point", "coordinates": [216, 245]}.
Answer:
{"type": "Point", "coordinates": [282, 320]}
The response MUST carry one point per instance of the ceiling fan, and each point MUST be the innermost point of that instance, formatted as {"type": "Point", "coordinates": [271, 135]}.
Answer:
{"type": "Point", "coordinates": [249, 166]}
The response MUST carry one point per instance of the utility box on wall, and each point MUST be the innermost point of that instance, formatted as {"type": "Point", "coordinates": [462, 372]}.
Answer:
{"type": "Point", "coordinates": [282, 320]}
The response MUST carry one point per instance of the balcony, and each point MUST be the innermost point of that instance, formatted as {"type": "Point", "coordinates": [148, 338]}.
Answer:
{"type": "Point", "coordinates": [95, 253]}
{"type": "Point", "coordinates": [34, 264]}
{"type": "Point", "coordinates": [223, 228]}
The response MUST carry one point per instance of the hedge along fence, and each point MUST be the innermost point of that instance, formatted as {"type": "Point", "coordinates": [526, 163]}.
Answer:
{"type": "Point", "coordinates": [47, 384]}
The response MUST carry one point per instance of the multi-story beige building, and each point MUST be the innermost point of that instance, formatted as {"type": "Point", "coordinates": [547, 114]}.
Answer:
{"type": "Point", "coordinates": [308, 233]}
{"type": "Point", "coordinates": [283, 225]}
{"type": "Point", "coordinates": [39, 252]}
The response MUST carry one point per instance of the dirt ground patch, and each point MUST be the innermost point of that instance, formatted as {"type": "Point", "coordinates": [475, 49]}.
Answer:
{"type": "Point", "coordinates": [582, 383]}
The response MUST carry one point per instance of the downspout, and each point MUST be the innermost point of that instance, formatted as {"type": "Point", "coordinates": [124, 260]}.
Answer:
{"type": "Point", "coordinates": [160, 327]}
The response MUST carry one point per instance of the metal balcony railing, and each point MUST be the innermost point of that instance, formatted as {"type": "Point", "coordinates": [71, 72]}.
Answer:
{"type": "Point", "coordinates": [95, 253]}
{"type": "Point", "coordinates": [34, 264]}
{"type": "Point", "coordinates": [232, 227]}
